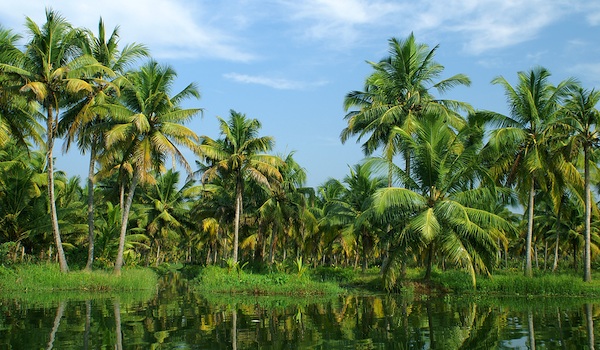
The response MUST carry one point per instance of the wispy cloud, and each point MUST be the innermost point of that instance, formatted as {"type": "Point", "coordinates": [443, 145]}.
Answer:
{"type": "Point", "coordinates": [229, 29]}
{"type": "Point", "coordinates": [339, 21]}
{"type": "Point", "coordinates": [175, 28]}
{"type": "Point", "coordinates": [484, 25]}
{"type": "Point", "coordinates": [275, 83]}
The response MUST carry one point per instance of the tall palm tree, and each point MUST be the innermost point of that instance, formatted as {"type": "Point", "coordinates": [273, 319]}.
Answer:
{"type": "Point", "coordinates": [581, 119]}
{"type": "Point", "coordinates": [17, 115]}
{"type": "Point", "coordinates": [521, 138]}
{"type": "Point", "coordinates": [85, 122]}
{"type": "Point", "coordinates": [53, 72]}
{"type": "Point", "coordinates": [239, 155]}
{"type": "Point", "coordinates": [446, 214]}
{"type": "Point", "coordinates": [397, 94]}
{"type": "Point", "coordinates": [150, 129]}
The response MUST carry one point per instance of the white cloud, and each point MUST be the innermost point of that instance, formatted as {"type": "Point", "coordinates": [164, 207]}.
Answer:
{"type": "Point", "coordinates": [275, 83]}
{"type": "Point", "coordinates": [339, 22]}
{"type": "Point", "coordinates": [174, 28]}
{"type": "Point", "coordinates": [484, 25]}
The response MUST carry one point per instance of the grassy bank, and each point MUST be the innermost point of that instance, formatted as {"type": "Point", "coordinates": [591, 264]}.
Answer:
{"type": "Point", "coordinates": [213, 279]}
{"type": "Point", "coordinates": [48, 278]}
{"type": "Point", "coordinates": [513, 283]}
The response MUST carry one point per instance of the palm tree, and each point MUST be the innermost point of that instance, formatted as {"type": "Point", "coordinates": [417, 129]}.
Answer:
{"type": "Point", "coordinates": [85, 121]}
{"type": "Point", "coordinates": [239, 156]}
{"type": "Point", "coordinates": [446, 213]}
{"type": "Point", "coordinates": [166, 205]}
{"type": "Point", "coordinates": [397, 94]}
{"type": "Point", "coordinates": [17, 115]}
{"type": "Point", "coordinates": [53, 72]}
{"type": "Point", "coordinates": [285, 209]}
{"type": "Point", "coordinates": [150, 130]}
{"type": "Point", "coordinates": [355, 210]}
{"type": "Point", "coordinates": [581, 119]}
{"type": "Point", "coordinates": [521, 141]}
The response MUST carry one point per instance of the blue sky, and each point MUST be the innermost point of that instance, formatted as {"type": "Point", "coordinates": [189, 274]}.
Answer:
{"type": "Point", "coordinates": [290, 63]}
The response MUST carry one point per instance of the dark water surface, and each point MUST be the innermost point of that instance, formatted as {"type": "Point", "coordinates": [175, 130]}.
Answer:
{"type": "Point", "coordinates": [178, 318]}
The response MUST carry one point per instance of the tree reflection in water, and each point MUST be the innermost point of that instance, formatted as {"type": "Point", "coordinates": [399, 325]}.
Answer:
{"type": "Point", "coordinates": [177, 317]}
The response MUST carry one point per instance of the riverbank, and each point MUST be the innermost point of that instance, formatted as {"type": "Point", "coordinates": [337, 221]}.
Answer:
{"type": "Point", "coordinates": [321, 281]}
{"type": "Point", "coordinates": [212, 279]}
{"type": "Point", "coordinates": [48, 278]}
{"type": "Point", "coordinates": [327, 281]}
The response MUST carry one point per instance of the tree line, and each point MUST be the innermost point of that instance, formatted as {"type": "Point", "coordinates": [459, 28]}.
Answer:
{"type": "Point", "coordinates": [437, 188]}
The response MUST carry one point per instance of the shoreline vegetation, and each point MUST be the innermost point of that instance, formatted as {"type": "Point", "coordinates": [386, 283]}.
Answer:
{"type": "Point", "coordinates": [47, 278]}
{"type": "Point", "coordinates": [321, 282]}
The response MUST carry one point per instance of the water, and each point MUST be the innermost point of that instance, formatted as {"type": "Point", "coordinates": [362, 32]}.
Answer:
{"type": "Point", "coordinates": [178, 318]}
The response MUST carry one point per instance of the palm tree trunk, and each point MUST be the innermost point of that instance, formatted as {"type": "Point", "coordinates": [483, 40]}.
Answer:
{"type": "Point", "coordinates": [429, 261]}
{"type": "Point", "coordinates": [51, 196]}
{"type": "Point", "coordinates": [545, 254]}
{"type": "Point", "coordinates": [90, 209]}
{"type": "Point", "coordinates": [528, 267]}
{"type": "Point", "coordinates": [587, 265]}
{"type": "Point", "coordinates": [555, 264]}
{"type": "Point", "coordinates": [236, 230]}
{"type": "Point", "coordinates": [124, 219]}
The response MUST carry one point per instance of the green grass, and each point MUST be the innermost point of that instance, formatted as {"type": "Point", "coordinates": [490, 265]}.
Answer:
{"type": "Point", "coordinates": [513, 283]}
{"type": "Point", "coordinates": [213, 279]}
{"type": "Point", "coordinates": [48, 278]}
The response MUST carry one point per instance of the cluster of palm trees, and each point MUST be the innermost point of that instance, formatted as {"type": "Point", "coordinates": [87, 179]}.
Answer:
{"type": "Point", "coordinates": [127, 120]}
{"type": "Point", "coordinates": [439, 194]}
{"type": "Point", "coordinates": [449, 202]}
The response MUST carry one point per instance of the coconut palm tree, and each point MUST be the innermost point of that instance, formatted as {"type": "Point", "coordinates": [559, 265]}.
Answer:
{"type": "Point", "coordinates": [17, 115]}
{"type": "Point", "coordinates": [397, 94]}
{"type": "Point", "coordinates": [166, 205]}
{"type": "Point", "coordinates": [86, 121]}
{"type": "Point", "coordinates": [446, 214]}
{"type": "Point", "coordinates": [521, 139]}
{"type": "Point", "coordinates": [239, 156]}
{"type": "Point", "coordinates": [53, 72]}
{"type": "Point", "coordinates": [581, 119]}
{"type": "Point", "coordinates": [355, 210]}
{"type": "Point", "coordinates": [285, 210]}
{"type": "Point", "coordinates": [150, 128]}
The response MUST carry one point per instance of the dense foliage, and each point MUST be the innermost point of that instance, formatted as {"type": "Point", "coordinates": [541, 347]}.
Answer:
{"type": "Point", "coordinates": [443, 184]}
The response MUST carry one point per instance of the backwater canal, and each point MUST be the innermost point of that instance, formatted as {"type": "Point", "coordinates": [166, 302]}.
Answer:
{"type": "Point", "coordinates": [177, 317]}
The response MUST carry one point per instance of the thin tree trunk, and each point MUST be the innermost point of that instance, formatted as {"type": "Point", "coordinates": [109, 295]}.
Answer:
{"type": "Point", "coordinates": [528, 267]}
{"type": "Point", "coordinates": [587, 265]}
{"type": "Point", "coordinates": [51, 196]}
{"type": "Point", "coordinates": [429, 262]}
{"type": "Point", "coordinates": [545, 254]}
{"type": "Point", "coordinates": [555, 264]}
{"type": "Point", "coordinates": [124, 219]}
{"type": "Point", "coordinates": [156, 263]}
{"type": "Point", "coordinates": [90, 209]}
{"type": "Point", "coordinates": [238, 212]}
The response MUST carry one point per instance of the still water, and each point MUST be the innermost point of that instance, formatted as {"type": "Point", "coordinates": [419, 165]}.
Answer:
{"type": "Point", "coordinates": [176, 317]}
